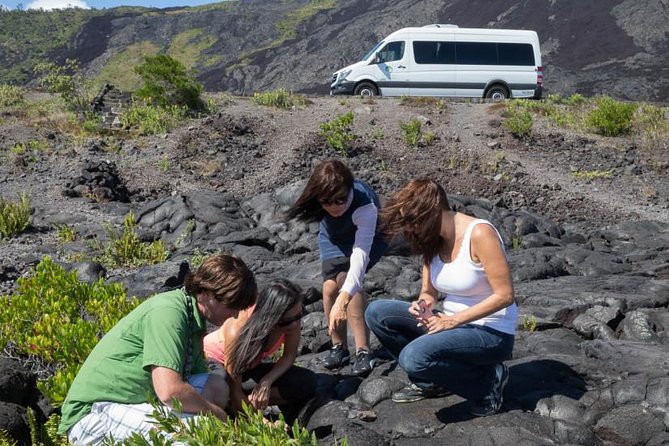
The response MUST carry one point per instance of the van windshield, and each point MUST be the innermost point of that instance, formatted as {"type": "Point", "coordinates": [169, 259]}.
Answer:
{"type": "Point", "coordinates": [372, 51]}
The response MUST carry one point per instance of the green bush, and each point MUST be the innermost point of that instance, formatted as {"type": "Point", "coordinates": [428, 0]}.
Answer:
{"type": "Point", "coordinates": [57, 320]}
{"type": "Point", "coordinates": [127, 249]}
{"type": "Point", "coordinates": [168, 83]}
{"type": "Point", "coordinates": [280, 98]}
{"type": "Point", "coordinates": [11, 95]}
{"type": "Point", "coordinates": [150, 120]}
{"type": "Point", "coordinates": [248, 428]}
{"type": "Point", "coordinates": [611, 117]}
{"type": "Point", "coordinates": [14, 216]}
{"type": "Point", "coordinates": [518, 120]}
{"type": "Point", "coordinates": [67, 80]}
{"type": "Point", "coordinates": [338, 133]}
{"type": "Point", "coordinates": [412, 132]}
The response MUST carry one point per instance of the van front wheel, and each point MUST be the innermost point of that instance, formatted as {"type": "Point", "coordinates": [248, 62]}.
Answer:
{"type": "Point", "coordinates": [365, 89]}
{"type": "Point", "coordinates": [497, 93]}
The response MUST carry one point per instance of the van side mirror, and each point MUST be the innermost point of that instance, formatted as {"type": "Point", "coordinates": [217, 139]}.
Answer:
{"type": "Point", "coordinates": [375, 59]}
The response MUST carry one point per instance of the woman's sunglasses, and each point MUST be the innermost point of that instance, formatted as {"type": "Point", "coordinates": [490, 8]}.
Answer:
{"type": "Point", "coordinates": [335, 200]}
{"type": "Point", "coordinates": [297, 317]}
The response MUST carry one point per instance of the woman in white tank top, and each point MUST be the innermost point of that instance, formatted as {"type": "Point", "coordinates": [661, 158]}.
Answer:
{"type": "Point", "coordinates": [459, 346]}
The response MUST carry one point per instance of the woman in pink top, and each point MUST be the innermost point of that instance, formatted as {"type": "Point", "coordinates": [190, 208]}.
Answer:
{"type": "Point", "coordinates": [243, 345]}
{"type": "Point", "coordinates": [458, 346]}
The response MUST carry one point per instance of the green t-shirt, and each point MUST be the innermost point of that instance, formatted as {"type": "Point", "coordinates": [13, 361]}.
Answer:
{"type": "Point", "coordinates": [119, 367]}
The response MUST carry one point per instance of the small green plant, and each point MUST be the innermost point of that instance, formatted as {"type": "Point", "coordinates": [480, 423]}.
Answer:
{"type": "Point", "coordinates": [611, 117]}
{"type": "Point", "coordinates": [6, 439]}
{"type": "Point", "coordinates": [128, 250]}
{"type": "Point", "coordinates": [279, 98]}
{"type": "Point", "coordinates": [11, 95]}
{"type": "Point", "coordinates": [164, 164]}
{"type": "Point", "coordinates": [55, 320]}
{"type": "Point", "coordinates": [412, 132]}
{"type": "Point", "coordinates": [68, 81]}
{"type": "Point", "coordinates": [516, 242]}
{"type": "Point", "coordinates": [151, 120]}
{"type": "Point", "coordinates": [14, 216]}
{"type": "Point", "coordinates": [166, 83]}
{"type": "Point", "coordinates": [592, 174]}
{"type": "Point", "coordinates": [249, 428]}
{"type": "Point", "coordinates": [518, 119]}
{"type": "Point", "coordinates": [46, 434]}
{"type": "Point", "coordinates": [66, 234]}
{"type": "Point", "coordinates": [429, 137]}
{"type": "Point", "coordinates": [529, 323]}
{"type": "Point", "coordinates": [338, 133]}
{"type": "Point", "coordinates": [377, 134]}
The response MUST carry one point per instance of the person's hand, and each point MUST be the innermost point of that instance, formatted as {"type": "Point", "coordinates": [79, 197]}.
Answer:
{"type": "Point", "coordinates": [421, 309]}
{"type": "Point", "coordinates": [338, 312]}
{"type": "Point", "coordinates": [439, 322]}
{"type": "Point", "coordinates": [259, 397]}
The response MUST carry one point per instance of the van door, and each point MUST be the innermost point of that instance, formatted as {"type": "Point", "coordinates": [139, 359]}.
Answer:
{"type": "Point", "coordinates": [392, 69]}
{"type": "Point", "coordinates": [433, 66]}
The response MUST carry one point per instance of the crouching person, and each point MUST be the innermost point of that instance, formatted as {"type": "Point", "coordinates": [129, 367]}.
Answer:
{"type": "Point", "coordinates": [245, 345]}
{"type": "Point", "coordinates": [154, 352]}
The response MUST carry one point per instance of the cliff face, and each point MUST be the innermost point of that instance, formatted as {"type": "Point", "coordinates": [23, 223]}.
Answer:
{"type": "Point", "coordinates": [616, 47]}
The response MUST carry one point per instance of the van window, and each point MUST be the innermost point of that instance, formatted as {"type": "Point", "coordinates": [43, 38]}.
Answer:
{"type": "Point", "coordinates": [476, 53]}
{"type": "Point", "coordinates": [515, 54]}
{"type": "Point", "coordinates": [434, 52]}
{"type": "Point", "coordinates": [392, 51]}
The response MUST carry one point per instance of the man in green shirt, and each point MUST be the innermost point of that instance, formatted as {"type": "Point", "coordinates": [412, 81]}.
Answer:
{"type": "Point", "coordinates": [156, 352]}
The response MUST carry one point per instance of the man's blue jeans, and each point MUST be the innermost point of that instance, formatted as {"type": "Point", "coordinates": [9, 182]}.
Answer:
{"type": "Point", "coordinates": [461, 360]}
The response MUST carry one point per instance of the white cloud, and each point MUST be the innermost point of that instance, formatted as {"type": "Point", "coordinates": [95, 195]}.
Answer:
{"type": "Point", "coordinates": [57, 4]}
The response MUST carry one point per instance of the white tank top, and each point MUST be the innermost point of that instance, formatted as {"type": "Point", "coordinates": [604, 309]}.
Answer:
{"type": "Point", "coordinates": [465, 284]}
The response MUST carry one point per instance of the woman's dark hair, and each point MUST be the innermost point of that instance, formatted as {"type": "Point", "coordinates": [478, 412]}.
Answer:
{"type": "Point", "coordinates": [328, 178]}
{"type": "Point", "coordinates": [228, 278]}
{"type": "Point", "coordinates": [272, 303]}
{"type": "Point", "coordinates": [415, 211]}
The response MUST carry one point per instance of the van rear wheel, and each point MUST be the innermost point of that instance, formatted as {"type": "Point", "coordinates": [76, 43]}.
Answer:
{"type": "Point", "coordinates": [365, 89]}
{"type": "Point", "coordinates": [497, 93]}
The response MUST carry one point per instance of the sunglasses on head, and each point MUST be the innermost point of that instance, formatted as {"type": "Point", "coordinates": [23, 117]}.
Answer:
{"type": "Point", "coordinates": [297, 317]}
{"type": "Point", "coordinates": [335, 200]}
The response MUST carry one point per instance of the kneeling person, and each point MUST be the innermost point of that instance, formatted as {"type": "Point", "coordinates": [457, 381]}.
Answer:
{"type": "Point", "coordinates": [156, 351]}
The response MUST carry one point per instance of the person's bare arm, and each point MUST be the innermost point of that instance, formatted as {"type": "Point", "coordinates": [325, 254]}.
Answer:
{"type": "Point", "coordinates": [169, 385]}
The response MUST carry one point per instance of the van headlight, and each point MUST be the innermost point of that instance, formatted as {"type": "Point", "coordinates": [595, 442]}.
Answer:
{"type": "Point", "coordinates": [343, 74]}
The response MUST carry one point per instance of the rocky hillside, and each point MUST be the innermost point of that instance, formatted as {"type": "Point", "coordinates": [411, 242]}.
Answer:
{"type": "Point", "coordinates": [617, 47]}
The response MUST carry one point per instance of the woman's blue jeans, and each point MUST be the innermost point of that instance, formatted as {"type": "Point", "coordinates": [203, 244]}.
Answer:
{"type": "Point", "coordinates": [461, 360]}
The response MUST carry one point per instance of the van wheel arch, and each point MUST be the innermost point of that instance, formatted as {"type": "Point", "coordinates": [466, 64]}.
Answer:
{"type": "Point", "coordinates": [497, 92]}
{"type": "Point", "coordinates": [366, 88]}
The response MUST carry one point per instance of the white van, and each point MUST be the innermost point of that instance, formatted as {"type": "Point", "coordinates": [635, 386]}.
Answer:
{"type": "Point", "coordinates": [444, 60]}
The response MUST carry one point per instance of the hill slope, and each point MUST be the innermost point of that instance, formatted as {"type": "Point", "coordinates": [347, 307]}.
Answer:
{"type": "Point", "coordinates": [616, 47]}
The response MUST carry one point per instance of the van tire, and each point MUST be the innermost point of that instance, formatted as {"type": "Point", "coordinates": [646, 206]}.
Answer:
{"type": "Point", "coordinates": [497, 93]}
{"type": "Point", "coordinates": [365, 89]}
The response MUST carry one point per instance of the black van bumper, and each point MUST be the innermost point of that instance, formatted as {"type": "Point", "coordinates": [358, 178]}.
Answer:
{"type": "Point", "coordinates": [345, 87]}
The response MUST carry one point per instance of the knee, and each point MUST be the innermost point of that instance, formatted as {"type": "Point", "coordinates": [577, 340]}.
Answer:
{"type": "Point", "coordinates": [413, 360]}
{"type": "Point", "coordinates": [217, 390]}
{"type": "Point", "coordinates": [372, 314]}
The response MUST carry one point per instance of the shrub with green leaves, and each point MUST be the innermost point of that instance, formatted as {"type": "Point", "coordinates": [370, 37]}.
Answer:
{"type": "Point", "coordinates": [67, 80]}
{"type": "Point", "coordinates": [166, 82]}
{"type": "Point", "coordinates": [14, 216]}
{"type": "Point", "coordinates": [56, 320]}
{"type": "Point", "coordinates": [338, 133]}
{"type": "Point", "coordinates": [280, 98]}
{"type": "Point", "coordinates": [11, 95]}
{"type": "Point", "coordinates": [150, 120]}
{"type": "Point", "coordinates": [412, 132]}
{"type": "Point", "coordinates": [518, 120]}
{"type": "Point", "coordinates": [247, 428]}
{"type": "Point", "coordinates": [126, 249]}
{"type": "Point", "coordinates": [611, 117]}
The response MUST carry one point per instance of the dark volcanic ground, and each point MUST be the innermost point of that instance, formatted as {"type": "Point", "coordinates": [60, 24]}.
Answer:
{"type": "Point", "coordinates": [590, 258]}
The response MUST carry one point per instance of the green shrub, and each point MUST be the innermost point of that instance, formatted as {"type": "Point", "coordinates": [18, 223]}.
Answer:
{"type": "Point", "coordinates": [67, 80]}
{"type": "Point", "coordinates": [14, 216]}
{"type": "Point", "coordinates": [338, 133]}
{"type": "Point", "coordinates": [11, 95]}
{"type": "Point", "coordinates": [57, 320]}
{"type": "Point", "coordinates": [611, 117]}
{"type": "Point", "coordinates": [66, 234]}
{"type": "Point", "coordinates": [168, 83]}
{"type": "Point", "coordinates": [518, 120]}
{"type": "Point", "coordinates": [412, 132]}
{"type": "Point", "coordinates": [150, 120]}
{"type": "Point", "coordinates": [280, 98]}
{"type": "Point", "coordinates": [127, 249]}
{"type": "Point", "coordinates": [47, 433]}
{"type": "Point", "coordinates": [249, 428]}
